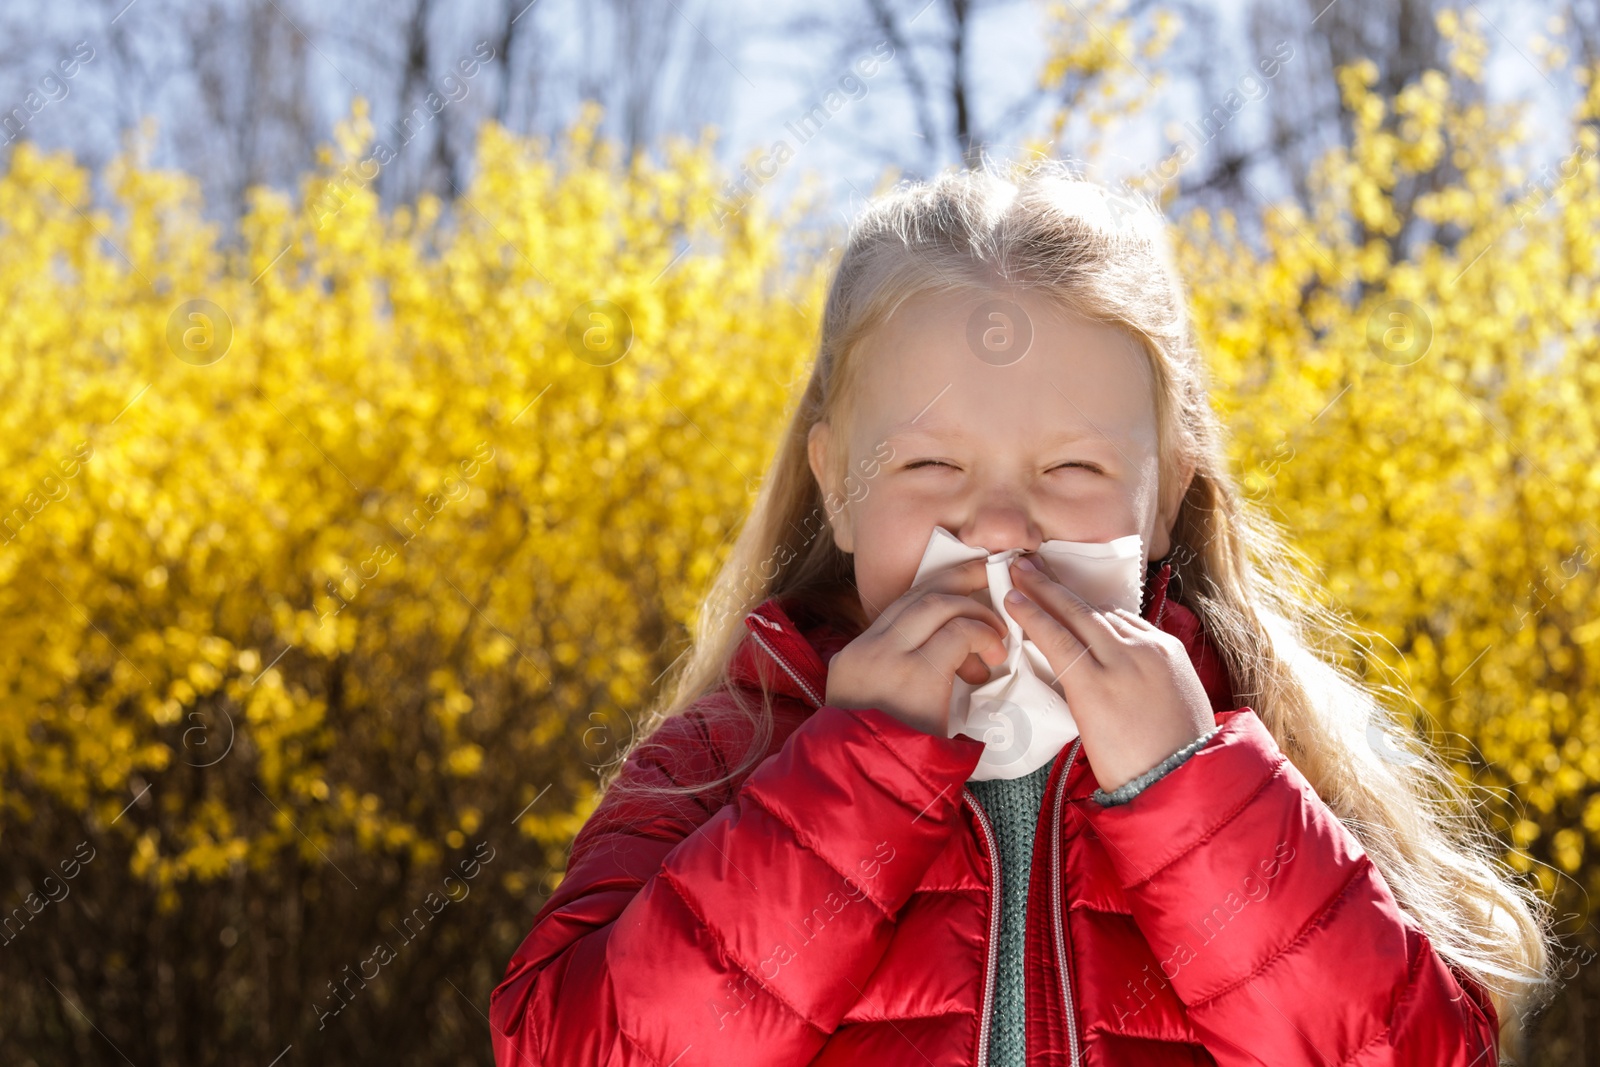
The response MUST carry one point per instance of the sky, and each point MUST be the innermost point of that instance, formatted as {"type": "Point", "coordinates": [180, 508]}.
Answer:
{"type": "Point", "coordinates": [773, 76]}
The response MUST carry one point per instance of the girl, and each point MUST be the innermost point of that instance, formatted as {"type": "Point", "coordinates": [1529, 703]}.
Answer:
{"type": "Point", "coordinates": [793, 868]}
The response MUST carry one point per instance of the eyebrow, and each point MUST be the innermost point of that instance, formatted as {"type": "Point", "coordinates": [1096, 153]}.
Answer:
{"type": "Point", "coordinates": [1062, 436]}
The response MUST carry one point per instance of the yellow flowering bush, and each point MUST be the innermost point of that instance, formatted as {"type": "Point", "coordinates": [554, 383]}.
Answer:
{"type": "Point", "coordinates": [334, 551]}
{"type": "Point", "coordinates": [1419, 405]}
{"type": "Point", "coordinates": [1100, 68]}
{"type": "Point", "coordinates": [339, 550]}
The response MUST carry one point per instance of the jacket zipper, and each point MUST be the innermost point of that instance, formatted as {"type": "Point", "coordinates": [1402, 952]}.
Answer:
{"type": "Point", "coordinates": [994, 865]}
{"type": "Point", "coordinates": [790, 671]}
{"type": "Point", "coordinates": [1055, 906]}
{"type": "Point", "coordinates": [991, 963]}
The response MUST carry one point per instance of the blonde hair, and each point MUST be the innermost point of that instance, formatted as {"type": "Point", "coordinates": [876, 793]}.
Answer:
{"type": "Point", "coordinates": [1105, 256]}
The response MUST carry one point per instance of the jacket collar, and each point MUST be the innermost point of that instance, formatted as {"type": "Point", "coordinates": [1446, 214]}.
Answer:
{"type": "Point", "coordinates": [791, 649]}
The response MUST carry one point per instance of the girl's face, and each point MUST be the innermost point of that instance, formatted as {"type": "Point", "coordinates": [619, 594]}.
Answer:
{"type": "Point", "coordinates": [1060, 444]}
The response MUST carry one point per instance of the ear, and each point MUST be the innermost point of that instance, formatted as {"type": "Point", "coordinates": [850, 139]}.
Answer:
{"type": "Point", "coordinates": [819, 444]}
{"type": "Point", "coordinates": [1167, 510]}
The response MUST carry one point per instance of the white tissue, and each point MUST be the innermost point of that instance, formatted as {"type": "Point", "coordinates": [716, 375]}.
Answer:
{"type": "Point", "coordinates": [1020, 713]}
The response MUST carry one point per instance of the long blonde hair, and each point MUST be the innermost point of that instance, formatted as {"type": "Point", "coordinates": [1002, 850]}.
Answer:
{"type": "Point", "coordinates": [1105, 256]}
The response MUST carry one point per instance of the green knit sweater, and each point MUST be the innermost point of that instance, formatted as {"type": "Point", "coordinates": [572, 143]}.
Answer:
{"type": "Point", "coordinates": [1012, 805]}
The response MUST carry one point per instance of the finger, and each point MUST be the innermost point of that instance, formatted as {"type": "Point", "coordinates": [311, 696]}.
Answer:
{"type": "Point", "coordinates": [1068, 609]}
{"type": "Point", "coordinates": [956, 642]}
{"type": "Point", "coordinates": [964, 578]}
{"type": "Point", "coordinates": [1061, 647]}
{"type": "Point", "coordinates": [974, 671]}
{"type": "Point", "coordinates": [925, 611]}
{"type": "Point", "coordinates": [1133, 619]}
{"type": "Point", "coordinates": [1120, 622]}
{"type": "Point", "coordinates": [924, 617]}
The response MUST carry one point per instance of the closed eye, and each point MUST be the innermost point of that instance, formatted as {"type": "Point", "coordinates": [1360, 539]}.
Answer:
{"type": "Point", "coordinates": [941, 463]}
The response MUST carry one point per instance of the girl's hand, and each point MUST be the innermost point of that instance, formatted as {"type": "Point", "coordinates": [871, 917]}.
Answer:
{"type": "Point", "coordinates": [1132, 689]}
{"type": "Point", "coordinates": [907, 661]}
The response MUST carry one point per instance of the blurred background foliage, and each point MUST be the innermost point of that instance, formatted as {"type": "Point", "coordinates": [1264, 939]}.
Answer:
{"type": "Point", "coordinates": [324, 599]}
{"type": "Point", "coordinates": [273, 611]}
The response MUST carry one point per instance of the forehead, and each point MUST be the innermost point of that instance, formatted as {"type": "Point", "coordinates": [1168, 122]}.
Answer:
{"type": "Point", "coordinates": [1078, 382]}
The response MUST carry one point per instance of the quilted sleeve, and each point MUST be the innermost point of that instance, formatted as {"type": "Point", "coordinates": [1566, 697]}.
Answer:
{"type": "Point", "coordinates": [1274, 928]}
{"type": "Point", "coordinates": [681, 932]}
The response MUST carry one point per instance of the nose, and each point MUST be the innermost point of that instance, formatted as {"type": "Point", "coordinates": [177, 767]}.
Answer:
{"type": "Point", "coordinates": [998, 525]}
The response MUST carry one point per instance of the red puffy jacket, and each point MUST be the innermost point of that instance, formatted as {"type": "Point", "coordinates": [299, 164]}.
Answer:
{"type": "Point", "coordinates": [836, 906]}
